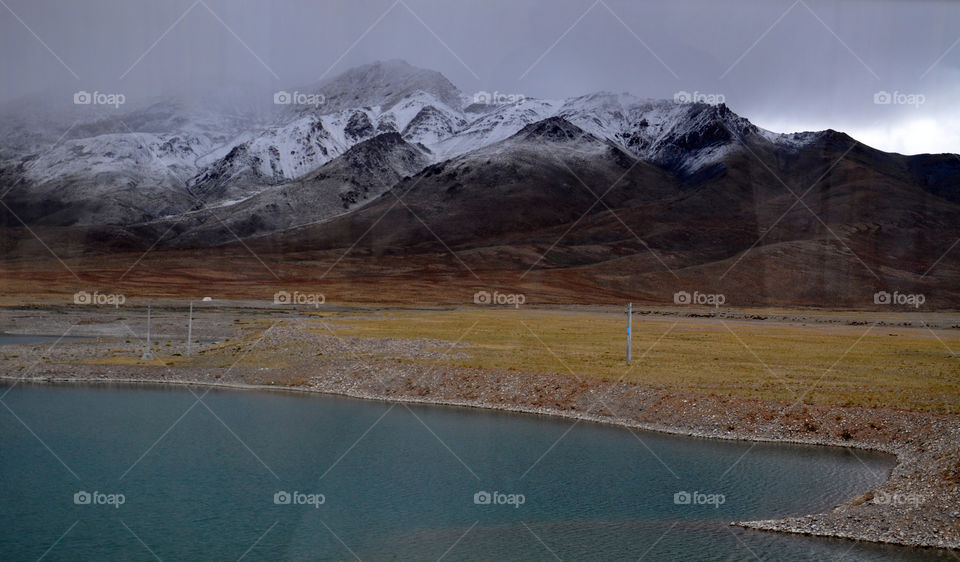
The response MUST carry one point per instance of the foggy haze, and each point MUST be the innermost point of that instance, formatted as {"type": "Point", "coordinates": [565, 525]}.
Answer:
{"type": "Point", "coordinates": [786, 66]}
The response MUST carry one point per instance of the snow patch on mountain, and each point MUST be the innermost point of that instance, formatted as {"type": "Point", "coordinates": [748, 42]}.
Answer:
{"type": "Point", "coordinates": [149, 160]}
{"type": "Point", "coordinates": [497, 124]}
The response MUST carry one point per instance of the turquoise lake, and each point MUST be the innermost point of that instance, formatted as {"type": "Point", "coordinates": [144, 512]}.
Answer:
{"type": "Point", "coordinates": [114, 472]}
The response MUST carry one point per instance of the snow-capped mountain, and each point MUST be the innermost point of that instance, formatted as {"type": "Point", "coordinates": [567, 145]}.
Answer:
{"type": "Point", "coordinates": [355, 106]}
{"type": "Point", "coordinates": [604, 190]}
{"type": "Point", "coordinates": [168, 158]}
{"type": "Point", "coordinates": [426, 109]}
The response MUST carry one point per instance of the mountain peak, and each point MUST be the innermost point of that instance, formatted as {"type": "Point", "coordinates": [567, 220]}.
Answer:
{"type": "Point", "coordinates": [556, 129]}
{"type": "Point", "coordinates": [384, 83]}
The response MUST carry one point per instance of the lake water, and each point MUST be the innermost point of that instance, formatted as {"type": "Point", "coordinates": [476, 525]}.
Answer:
{"type": "Point", "coordinates": [207, 481]}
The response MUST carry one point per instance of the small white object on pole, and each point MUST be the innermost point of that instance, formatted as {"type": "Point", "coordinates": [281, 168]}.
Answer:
{"type": "Point", "coordinates": [629, 329]}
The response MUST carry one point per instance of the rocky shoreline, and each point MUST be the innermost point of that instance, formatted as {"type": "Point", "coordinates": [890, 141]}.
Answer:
{"type": "Point", "coordinates": [918, 505]}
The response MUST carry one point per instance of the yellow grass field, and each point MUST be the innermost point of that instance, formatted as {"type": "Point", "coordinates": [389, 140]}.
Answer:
{"type": "Point", "coordinates": [868, 365]}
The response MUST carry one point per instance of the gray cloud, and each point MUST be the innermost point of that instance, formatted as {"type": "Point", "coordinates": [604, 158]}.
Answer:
{"type": "Point", "coordinates": [785, 65]}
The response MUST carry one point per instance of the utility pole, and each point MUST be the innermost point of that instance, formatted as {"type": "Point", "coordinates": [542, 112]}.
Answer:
{"type": "Point", "coordinates": [629, 329]}
{"type": "Point", "coordinates": [190, 329]}
{"type": "Point", "coordinates": [147, 353]}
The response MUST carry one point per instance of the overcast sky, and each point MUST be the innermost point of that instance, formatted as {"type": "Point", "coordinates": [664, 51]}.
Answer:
{"type": "Point", "coordinates": [785, 65]}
